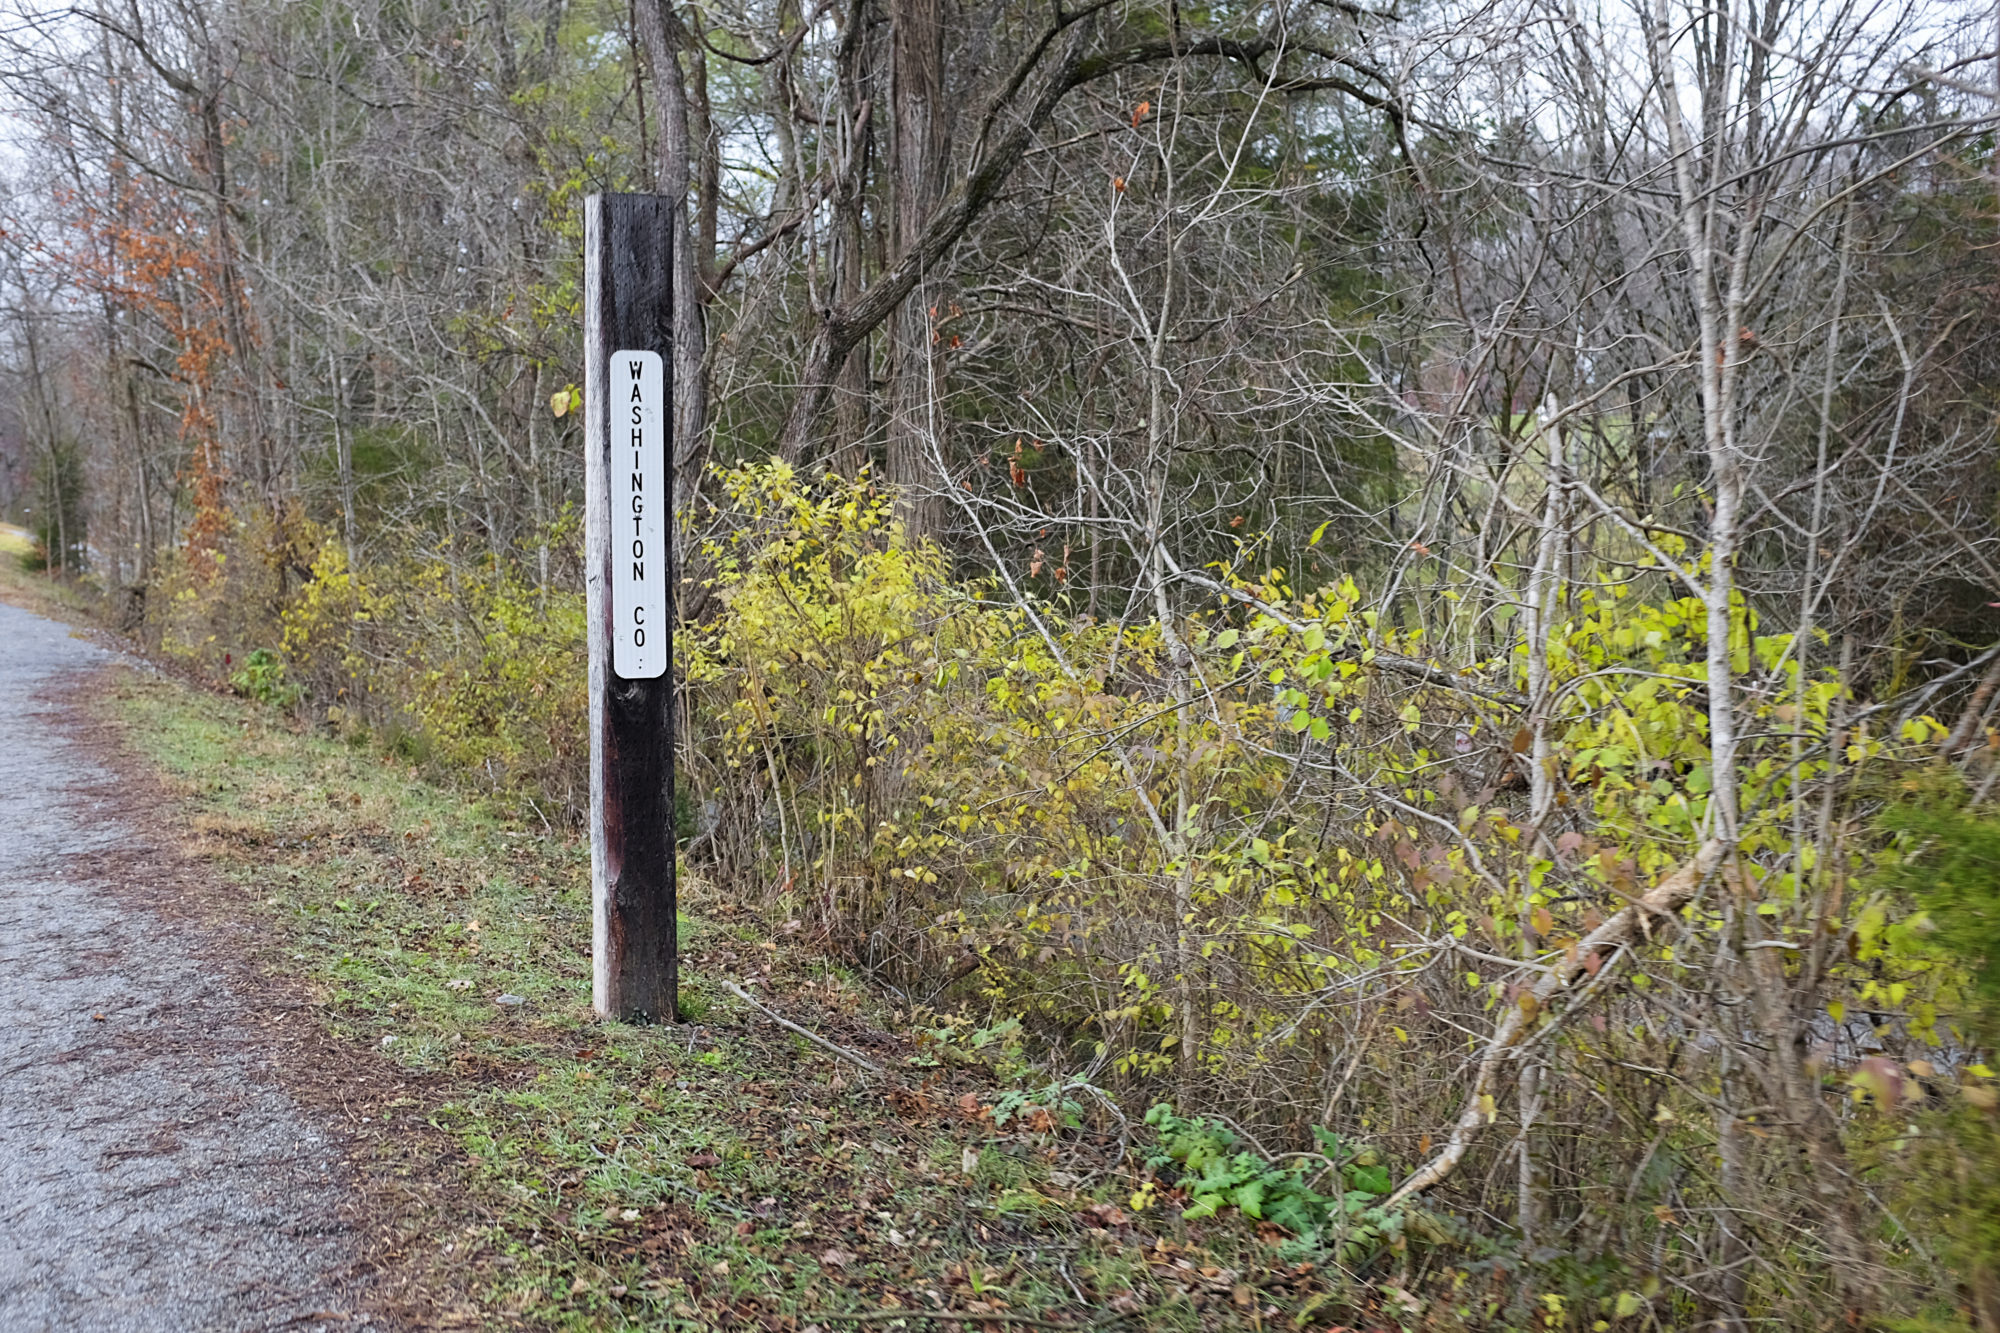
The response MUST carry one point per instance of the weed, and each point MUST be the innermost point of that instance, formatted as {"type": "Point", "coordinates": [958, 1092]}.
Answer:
{"type": "Point", "coordinates": [1217, 1172]}
{"type": "Point", "coordinates": [262, 677]}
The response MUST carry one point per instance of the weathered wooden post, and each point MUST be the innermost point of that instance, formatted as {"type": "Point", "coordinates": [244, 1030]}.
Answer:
{"type": "Point", "coordinates": [629, 573]}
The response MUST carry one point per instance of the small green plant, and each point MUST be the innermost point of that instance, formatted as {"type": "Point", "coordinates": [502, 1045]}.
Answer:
{"type": "Point", "coordinates": [1217, 1172]}
{"type": "Point", "coordinates": [1042, 1109]}
{"type": "Point", "coordinates": [999, 1047]}
{"type": "Point", "coordinates": [262, 677]}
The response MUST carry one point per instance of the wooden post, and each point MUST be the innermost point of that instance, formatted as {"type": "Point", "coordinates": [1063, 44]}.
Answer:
{"type": "Point", "coordinates": [629, 575]}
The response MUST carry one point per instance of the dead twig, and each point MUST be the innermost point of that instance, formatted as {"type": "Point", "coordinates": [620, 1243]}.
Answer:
{"type": "Point", "coordinates": [810, 1036]}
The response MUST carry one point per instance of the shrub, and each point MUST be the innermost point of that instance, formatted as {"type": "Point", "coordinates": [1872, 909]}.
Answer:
{"type": "Point", "coordinates": [481, 670]}
{"type": "Point", "coordinates": [1276, 857]}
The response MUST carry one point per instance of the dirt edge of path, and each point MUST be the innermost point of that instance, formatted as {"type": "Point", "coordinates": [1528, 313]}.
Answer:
{"type": "Point", "coordinates": [400, 1186]}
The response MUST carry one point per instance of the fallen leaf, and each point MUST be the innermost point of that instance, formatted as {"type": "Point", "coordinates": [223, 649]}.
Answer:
{"type": "Point", "coordinates": [1881, 1079]}
{"type": "Point", "coordinates": [1103, 1215]}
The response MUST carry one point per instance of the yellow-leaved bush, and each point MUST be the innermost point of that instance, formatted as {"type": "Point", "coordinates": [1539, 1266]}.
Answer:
{"type": "Point", "coordinates": [1269, 873]}
{"type": "Point", "coordinates": [463, 663]}
{"type": "Point", "coordinates": [1275, 857]}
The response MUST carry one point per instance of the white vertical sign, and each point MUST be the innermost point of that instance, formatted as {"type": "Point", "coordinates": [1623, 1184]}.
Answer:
{"type": "Point", "coordinates": [639, 500]}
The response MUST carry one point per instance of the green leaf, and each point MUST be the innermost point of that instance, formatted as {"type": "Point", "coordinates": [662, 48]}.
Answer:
{"type": "Point", "coordinates": [1373, 1179]}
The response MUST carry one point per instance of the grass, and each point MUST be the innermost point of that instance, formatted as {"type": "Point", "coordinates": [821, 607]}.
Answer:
{"type": "Point", "coordinates": [75, 601]}
{"type": "Point", "coordinates": [722, 1173]}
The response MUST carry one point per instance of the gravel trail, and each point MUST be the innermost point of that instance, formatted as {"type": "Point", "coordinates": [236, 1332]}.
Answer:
{"type": "Point", "coordinates": [152, 1177]}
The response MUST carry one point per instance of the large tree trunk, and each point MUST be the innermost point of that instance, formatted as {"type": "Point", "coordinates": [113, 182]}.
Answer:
{"type": "Point", "coordinates": [660, 34]}
{"type": "Point", "coordinates": [852, 389]}
{"type": "Point", "coordinates": [921, 143]}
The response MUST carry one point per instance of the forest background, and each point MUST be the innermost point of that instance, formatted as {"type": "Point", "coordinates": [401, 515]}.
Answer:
{"type": "Point", "coordinates": [1418, 580]}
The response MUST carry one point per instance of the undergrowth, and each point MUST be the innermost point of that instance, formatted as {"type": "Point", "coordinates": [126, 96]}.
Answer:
{"type": "Point", "coordinates": [725, 1173]}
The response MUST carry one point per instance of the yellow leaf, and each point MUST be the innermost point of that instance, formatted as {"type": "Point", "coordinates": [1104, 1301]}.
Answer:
{"type": "Point", "coordinates": [1487, 1108]}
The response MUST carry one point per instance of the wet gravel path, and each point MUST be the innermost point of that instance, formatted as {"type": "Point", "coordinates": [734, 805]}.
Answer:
{"type": "Point", "coordinates": [152, 1177]}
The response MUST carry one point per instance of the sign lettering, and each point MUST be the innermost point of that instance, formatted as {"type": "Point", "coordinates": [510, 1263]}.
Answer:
{"type": "Point", "coordinates": [639, 501]}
